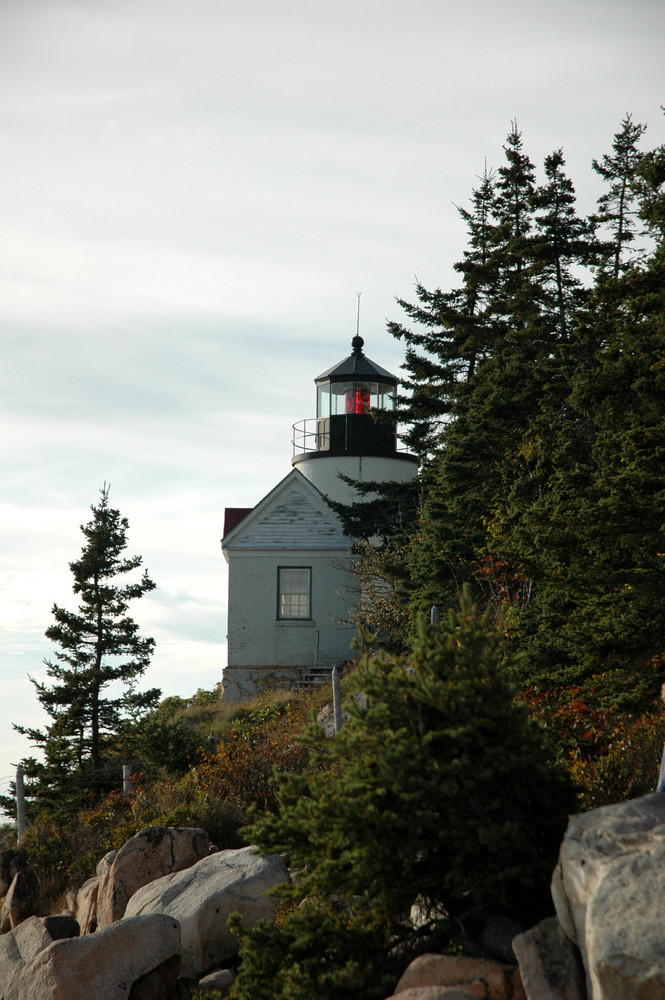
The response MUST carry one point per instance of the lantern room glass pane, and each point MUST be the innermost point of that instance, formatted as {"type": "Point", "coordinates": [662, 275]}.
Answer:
{"type": "Point", "coordinates": [385, 396]}
{"type": "Point", "coordinates": [338, 396]}
{"type": "Point", "coordinates": [323, 400]}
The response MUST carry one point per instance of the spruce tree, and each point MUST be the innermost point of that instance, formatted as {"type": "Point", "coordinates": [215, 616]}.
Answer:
{"type": "Point", "coordinates": [453, 334]}
{"type": "Point", "coordinates": [492, 408]}
{"type": "Point", "coordinates": [563, 246]}
{"type": "Point", "coordinates": [93, 673]}
{"type": "Point", "coordinates": [617, 209]}
{"type": "Point", "coordinates": [591, 540]}
{"type": "Point", "coordinates": [438, 791]}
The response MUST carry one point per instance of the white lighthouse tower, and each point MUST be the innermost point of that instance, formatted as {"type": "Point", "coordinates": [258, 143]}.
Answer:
{"type": "Point", "coordinates": [290, 578]}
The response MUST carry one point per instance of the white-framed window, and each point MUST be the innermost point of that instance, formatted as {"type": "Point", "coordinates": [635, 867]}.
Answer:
{"type": "Point", "coordinates": [294, 591]}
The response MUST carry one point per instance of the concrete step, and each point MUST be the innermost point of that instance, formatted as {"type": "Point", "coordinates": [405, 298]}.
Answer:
{"type": "Point", "coordinates": [314, 676]}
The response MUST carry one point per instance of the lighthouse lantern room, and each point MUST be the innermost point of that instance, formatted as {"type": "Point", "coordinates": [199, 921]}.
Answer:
{"type": "Point", "coordinates": [354, 432]}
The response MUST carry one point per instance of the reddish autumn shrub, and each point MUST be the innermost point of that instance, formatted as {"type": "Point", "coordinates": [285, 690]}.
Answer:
{"type": "Point", "coordinates": [250, 751]}
{"type": "Point", "coordinates": [628, 767]}
{"type": "Point", "coordinates": [612, 755]}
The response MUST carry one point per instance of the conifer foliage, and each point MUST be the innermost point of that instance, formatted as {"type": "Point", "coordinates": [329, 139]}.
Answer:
{"type": "Point", "coordinates": [99, 646]}
{"type": "Point", "coordinates": [439, 790]}
{"type": "Point", "coordinates": [536, 404]}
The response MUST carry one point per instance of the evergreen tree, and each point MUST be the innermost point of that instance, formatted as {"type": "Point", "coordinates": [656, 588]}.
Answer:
{"type": "Point", "coordinates": [454, 334]}
{"type": "Point", "coordinates": [617, 206]}
{"type": "Point", "coordinates": [536, 397]}
{"type": "Point", "coordinates": [563, 245]}
{"type": "Point", "coordinates": [492, 409]}
{"type": "Point", "coordinates": [439, 791]}
{"type": "Point", "coordinates": [100, 647]}
{"type": "Point", "coordinates": [591, 540]}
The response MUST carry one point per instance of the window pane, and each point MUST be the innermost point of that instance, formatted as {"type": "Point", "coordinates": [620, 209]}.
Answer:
{"type": "Point", "coordinates": [323, 400]}
{"type": "Point", "coordinates": [294, 589]}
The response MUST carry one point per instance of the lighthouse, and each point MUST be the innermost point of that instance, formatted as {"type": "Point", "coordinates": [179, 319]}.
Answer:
{"type": "Point", "coordinates": [291, 580]}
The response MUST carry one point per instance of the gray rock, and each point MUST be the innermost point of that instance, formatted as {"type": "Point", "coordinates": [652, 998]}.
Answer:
{"type": "Point", "coordinates": [624, 928]}
{"type": "Point", "coordinates": [434, 993]}
{"type": "Point", "coordinates": [21, 946]}
{"type": "Point", "coordinates": [220, 981]}
{"type": "Point", "coordinates": [550, 964]}
{"type": "Point", "coordinates": [16, 949]}
{"type": "Point", "coordinates": [11, 964]}
{"type": "Point", "coordinates": [203, 897]}
{"type": "Point", "coordinates": [152, 853]}
{"type": "Point", "coordinates": [475, 976]}
{"type": "Point", "coordinates": [104, 965]}
{"type": "Point", "coordinates": [592, 841]}
{"type": "Point", "coordinates": [86, 905]}
{"type": "Point", "coordinates": [105, 863]}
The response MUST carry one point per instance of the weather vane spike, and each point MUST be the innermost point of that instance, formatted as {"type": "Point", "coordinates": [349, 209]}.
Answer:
{"type": "Point", "coordinates": [358, 294]}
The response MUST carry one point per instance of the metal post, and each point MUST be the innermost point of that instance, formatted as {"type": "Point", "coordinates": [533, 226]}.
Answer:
{"type": "Point", "coordinates": [20, 803]}
{"type": "Point", "coordinates": [127, 780]}
{"type": "Point", "coordinates": [435, 616]}
{"type": "Point", "coordinates": [337, 699]}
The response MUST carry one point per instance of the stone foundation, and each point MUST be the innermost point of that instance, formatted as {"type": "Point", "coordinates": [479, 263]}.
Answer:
{"type": "Point", "coordinates": [243, 683]}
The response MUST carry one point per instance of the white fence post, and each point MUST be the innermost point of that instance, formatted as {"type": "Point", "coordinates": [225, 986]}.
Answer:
{"type": "Point", "coordinates": [337, 699]}
{"type": "Point", "coordinates": [20, 803]}
{"type": "Point", "coordinates": [127, 780]}
{"type": "Point", "coordinates": [660, 787]}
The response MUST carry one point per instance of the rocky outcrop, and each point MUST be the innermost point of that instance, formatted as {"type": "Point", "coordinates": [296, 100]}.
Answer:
{"type": "Point", "coordinates": [151, 854]}
{"type": "Point", "coordinates": [143, 955]}
{"type": "Point", "coordinates": [624, 927]}
{"type": "Point", "coordinates": [609, 893]}
{"type": "Point", "coordinates": [219, 982]}
{"type": "Point", "coordinates": [85, 907]}
{"type": "Point", "coordinates": [604, 944]}
{"type": "Point", "coordinates": [203, 897]}
{"type": "Point", "coordinates": [434, 993]}
{"type": "Point", "coordinates": [17, 948]}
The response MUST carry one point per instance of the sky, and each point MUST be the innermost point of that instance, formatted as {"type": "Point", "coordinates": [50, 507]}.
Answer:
{"type": "Point", "coordinates": [192, 194]}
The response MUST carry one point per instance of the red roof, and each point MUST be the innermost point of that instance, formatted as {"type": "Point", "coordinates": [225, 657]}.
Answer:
{"type": "Point", "coordinates": [233, 516]}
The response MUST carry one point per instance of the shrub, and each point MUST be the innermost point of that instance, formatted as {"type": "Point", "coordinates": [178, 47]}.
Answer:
{"type": "Point", "coordinates": [612, 755]}
{"type": "Point", "coordinates": [256, 744]}
{"type": "Point", "coordinates": [630, 765]}
{"type": "Point", "coordinates": [184, 802]}
{"type": "Point", "coordinates": [62, 855]}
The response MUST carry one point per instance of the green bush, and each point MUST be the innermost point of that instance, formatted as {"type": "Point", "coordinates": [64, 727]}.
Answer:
{"type": "Point", "coordinates": [440, 789]}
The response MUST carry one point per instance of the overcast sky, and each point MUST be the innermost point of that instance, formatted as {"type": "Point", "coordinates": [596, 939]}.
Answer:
{"type": "Point", "coordinates": [192, 194]}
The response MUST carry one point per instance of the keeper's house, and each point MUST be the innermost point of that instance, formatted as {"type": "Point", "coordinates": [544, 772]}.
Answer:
{"type": "Point", "coordinates": [290, 583]}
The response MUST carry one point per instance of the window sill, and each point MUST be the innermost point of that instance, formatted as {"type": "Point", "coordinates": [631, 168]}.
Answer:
{"type": "Point", "coordinates": [298, 622]}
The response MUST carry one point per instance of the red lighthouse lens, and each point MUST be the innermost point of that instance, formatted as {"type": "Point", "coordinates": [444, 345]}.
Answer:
{"type": "Point", "coordinates": [357, 399]}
